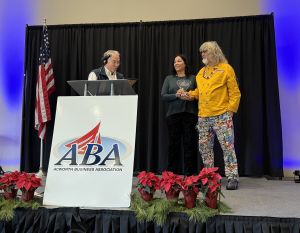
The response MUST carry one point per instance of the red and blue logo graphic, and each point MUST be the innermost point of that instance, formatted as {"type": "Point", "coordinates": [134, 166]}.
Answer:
{"type": "Point", "coordinates": [90, 137]}
{"type": "Point", "coordinates": [92, 149]}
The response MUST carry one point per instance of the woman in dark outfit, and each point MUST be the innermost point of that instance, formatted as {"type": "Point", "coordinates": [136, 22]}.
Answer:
{"type": "Point", "coordinates": [181, 117]}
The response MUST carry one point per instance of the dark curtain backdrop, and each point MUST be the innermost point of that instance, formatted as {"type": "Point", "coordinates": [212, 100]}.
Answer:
{"type": "Point", "coordinates": [147, 52]}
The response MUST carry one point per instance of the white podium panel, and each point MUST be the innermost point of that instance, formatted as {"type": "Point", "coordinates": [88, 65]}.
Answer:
{"type": "Point", "coordinates": [92, 153]}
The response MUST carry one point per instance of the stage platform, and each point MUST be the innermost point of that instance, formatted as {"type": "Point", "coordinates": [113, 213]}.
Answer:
{"type": "Point", "coordinates": [262, 197]}
{"type": "Point", "coordinates": [259, 205]}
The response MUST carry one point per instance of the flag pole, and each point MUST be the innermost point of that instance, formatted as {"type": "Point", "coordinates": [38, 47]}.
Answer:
{"type": "Point", "coordinates": [41, 173]}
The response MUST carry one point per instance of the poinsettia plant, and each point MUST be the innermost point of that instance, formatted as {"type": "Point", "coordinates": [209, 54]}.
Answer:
{"type": "Point", "coordinates": [28, 181]}
{"type": "Point", "coordinates": [9, 180]}
{"type": "Point", "coordinates": [170, 180]}
{"type": "Point", "coordinates": [148, 181]}
{"type": "Point", "coordinates": [210, 180]}
{"type": "Point", "coordinates": [191, 183]}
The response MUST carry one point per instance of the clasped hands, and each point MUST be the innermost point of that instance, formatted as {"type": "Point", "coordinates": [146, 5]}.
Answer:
{"type": "Point", "coordinates": [183, 95]}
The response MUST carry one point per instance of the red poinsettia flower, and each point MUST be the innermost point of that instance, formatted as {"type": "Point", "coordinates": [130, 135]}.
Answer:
{"type": "Point", "coordinates": [148, 181]}
{"type": "Point", "coordinates": [191, 183]}
{"type": "Point", "coordinates": [170, 180]}
{"type": "Point", "coordinates": [210, 179]}
{"type": "Point", "coordinates": [8, 180]}
{"type": "Point", "coordinates": [28, 181]}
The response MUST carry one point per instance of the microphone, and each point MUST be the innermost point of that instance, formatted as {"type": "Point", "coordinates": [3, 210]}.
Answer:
{"type": "Point", "coordinates": [104, 59]}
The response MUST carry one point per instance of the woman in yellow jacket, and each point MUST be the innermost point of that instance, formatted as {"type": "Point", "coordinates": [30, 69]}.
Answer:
{"type": "Point", "coordinates": [218, 97]}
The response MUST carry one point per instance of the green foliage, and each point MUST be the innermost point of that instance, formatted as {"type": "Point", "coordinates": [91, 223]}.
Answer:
{"type": "Point", "coordinates": [223, 208]}
{"type": "Point", "coordinates": [201, 212]}
{"type": "Point", "coordinates": [7, 207]}
{"type": "Point", "coordinates": [158, 209]}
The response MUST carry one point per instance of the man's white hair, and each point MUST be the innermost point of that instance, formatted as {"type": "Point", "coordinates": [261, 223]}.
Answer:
{"type": "Point", "coordinates": [111, 52]}
{"type": "Point", "coordinates": [215, 50]}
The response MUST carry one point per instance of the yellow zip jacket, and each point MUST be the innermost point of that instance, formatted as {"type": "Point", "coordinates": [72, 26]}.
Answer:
{"type": "Point", "coordinates": [217, 90]}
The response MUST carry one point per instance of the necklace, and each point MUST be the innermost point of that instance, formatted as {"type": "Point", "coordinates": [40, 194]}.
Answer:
{"type": "Point", "coordinates": [211, 73]}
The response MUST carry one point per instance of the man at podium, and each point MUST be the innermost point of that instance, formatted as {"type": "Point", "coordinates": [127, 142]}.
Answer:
{"type": "Point", "coordinates": [108, 71]}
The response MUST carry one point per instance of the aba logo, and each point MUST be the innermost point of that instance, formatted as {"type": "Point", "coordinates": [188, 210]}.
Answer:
{"type": "Point", "coordinates": [92, 149]}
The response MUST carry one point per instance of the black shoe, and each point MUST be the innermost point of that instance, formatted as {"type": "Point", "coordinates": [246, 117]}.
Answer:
{"type": "Point", "coordinates": [233, 184]}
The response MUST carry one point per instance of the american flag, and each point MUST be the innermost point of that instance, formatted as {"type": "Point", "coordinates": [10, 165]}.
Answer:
{"type": "Point", "coordinates": [44, 87]}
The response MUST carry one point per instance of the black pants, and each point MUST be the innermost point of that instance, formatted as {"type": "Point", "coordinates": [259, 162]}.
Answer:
{"type": "Point", "coordinates": [182, 131]}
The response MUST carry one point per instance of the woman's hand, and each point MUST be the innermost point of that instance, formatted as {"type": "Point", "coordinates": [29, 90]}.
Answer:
{"type": "Point", "coordinates": [185, 96]}
{"type": "Point", "coordinates": [179, 93]}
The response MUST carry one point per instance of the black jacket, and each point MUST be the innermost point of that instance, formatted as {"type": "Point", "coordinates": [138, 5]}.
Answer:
{"type": "Point", "coordinates": [101, 75]}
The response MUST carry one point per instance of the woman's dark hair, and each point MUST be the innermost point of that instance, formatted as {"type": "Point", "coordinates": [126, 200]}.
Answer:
{"type": "Point", "coordinates": [183, 57]}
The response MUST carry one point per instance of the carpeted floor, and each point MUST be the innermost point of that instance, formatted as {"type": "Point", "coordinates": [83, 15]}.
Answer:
{"type": "Point", "coordinates": [262, 197]}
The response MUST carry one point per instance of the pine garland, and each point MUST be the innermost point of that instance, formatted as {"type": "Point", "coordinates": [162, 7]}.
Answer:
{"type": "Point", "coordinates": [7, 207]}
{"type": "Point", "coordinates": [157, 210]}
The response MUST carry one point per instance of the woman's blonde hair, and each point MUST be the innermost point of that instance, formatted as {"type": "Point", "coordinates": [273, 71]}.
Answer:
{"type": "Point", "coordinates": [214, 48]}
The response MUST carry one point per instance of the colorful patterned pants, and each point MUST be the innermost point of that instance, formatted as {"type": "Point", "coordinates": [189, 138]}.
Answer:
{"type": "Point", "coordinates": [221, 126]}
